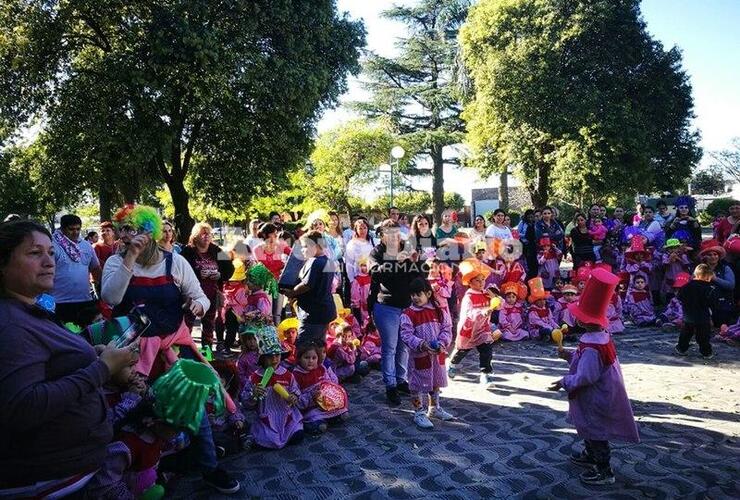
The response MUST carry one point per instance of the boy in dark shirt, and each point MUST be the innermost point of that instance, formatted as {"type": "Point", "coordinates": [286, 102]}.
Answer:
{"type": "Point", "coordinates": [696, 298]}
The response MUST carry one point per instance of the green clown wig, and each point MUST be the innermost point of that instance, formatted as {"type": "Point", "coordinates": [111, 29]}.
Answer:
{"type": "Point", "coordinates": [259, 275]}
{"type": "Point", "coordinates": [142, 218]}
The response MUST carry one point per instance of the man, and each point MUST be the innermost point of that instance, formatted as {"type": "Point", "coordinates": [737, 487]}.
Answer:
{"type": "Point", "coordinates": [75, 261]}
{"type": "Point", "coordinates": [393, 214]}
{"type": "Point", "coordinates": [253, 240]}
{"type": "Point", "coordinates": [106, 246]}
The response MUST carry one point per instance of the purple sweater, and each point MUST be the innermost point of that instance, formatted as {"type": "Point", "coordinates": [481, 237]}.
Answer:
{"type": "Point", "coordinates": [52, 409]}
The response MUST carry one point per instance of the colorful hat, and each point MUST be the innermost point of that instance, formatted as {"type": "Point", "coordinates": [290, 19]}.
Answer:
{"type": "Point", "coordinates": [268, 342]}
{"type": "Point", "coordinates": [582, 273]}
{"type": "Point", "coordinates": [141, 218]}
{"type": "Point", "coordinates": [537, 290]}
{"type": "Point", "coordinates": [240, 271]}
{"type": "Point", "coordinates": [516, 287]}
{"type": "Point", "coordinates": [672, 243]}
{"type": "Point", "coordinates": [595, 299]}
{"type": "Point", "coordinates": [637, 246]}
{"type": "Point", "coordinates": [470, 268]}
{"type": "Point", "coordinates": [511, 249]}
{"type": "Point", "coordinates": [712, 246]}
{"type": "Point", "coordinates": [544, 242]}
{"type": "Point", "coordinates": [681, 280]}
{"type": "Point", "coordinates": [604, 266]}
{"type": "Point", "coordinates": [262, 277]}
{"type": "Point", "coordinates": [181, 393]}
{"type": "Point", "coordinates": [569, 289]}
{"type": "Point", "coordinates": [624, 277]}
{"type": "Point", "coordinates": [285, 325]}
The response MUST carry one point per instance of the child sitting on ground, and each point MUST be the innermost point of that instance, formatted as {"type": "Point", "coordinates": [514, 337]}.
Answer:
{"type": "Point", "coordinates": [557, 287]}
{"type": "Point", "coordinates": [697, 297]}
{"type": "Point", "coordinates": [426, 329]}
{"type": "Point", "coordinates": [562, 315]}
{"type": "Point", "coordinates": [288, 333]}
{"type": "Point", "coordinates": [599, 407]}
{"type": "Point", "coordinates": [672, 316]}
{"type": "Point", "coordinates": [614, 314]}
{"type": "Point", "coordinates": [541, 321]}
{"type": "Point", "coordinates": [638, 305]}
{"type": "Point", "coordinates": [249, 357]}
{"type": "Point", "coordinates": [343, 354]}
{"type": "Point", "coordinates": [370, 348]}
{"type": "Point", "coordinates": [512, 312]}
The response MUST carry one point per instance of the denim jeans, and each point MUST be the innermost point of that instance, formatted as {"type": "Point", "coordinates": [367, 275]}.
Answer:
{"type": "Point", "coordinates": [311, 333]}
{"type": "Point", "coordinates": [394, 355]}
{"type": "Point", "coordinates": [204, 449]}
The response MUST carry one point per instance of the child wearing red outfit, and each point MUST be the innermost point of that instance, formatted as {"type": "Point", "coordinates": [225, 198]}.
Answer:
{"type": "Point", "coordinates": [541, 321]}
{"type": "Point", "coordinates": [548, 259]}
{"type": "Point", "coordinates": [359, 293]}
{"type": "Point", "coordinates": [511, 318]}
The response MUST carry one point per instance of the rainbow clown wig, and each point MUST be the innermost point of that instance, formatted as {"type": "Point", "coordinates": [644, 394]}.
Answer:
{"type": "Point", "coordinates": [142, 218]}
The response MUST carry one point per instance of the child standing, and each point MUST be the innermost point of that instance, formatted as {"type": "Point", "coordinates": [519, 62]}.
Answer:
{"type": "Point", "coordinates": [310, 375]}
{"type": "Point", "coordinates": [511, 314]}
{"type": "Point", "coordinates": [637, 260]}
{"type": "Point", "coordinates": [263, 289]}
{"type": "Point", "coordinates": [359, 293]}
{"type": "Point", "coordinates": [278, 421]}
{"type": "Point", "coordinates": [638, 305]}
{"type": "Point", "coordinates": [236, 300]}
{"type": "Point", "coordinates": [548, 259]}
{"type": "Point", "coordinates": [672, 317]}
{"type": "Point", "coordinates": [675, 262]}
{"type": "Point", "coordinates": [697, 297]}
{"type": "Point", "coordinates": [597, 231]}
{"type": "Point", "coordinates": [474, 326]}
{"type": "Point", "coordinates": [598, 403]}
{"type": "Point", "coordinates": [247, 363]}
{"type": "Point", "coordinates": [426, 329]}
{"type": "Point", "coordinates": [541, 322]}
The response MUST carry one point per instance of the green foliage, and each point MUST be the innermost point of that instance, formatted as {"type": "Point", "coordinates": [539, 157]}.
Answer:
{"type": "Point", "coordinates": [720, 205]}
{"type": "Point", "coordinates": [708, 182]}
{"type": "Point", "coordinates": [416, 90]}
{"type": "Point", "coordinates": [16, 189]}
{"type": "Point", "coordinates": [577, 110]}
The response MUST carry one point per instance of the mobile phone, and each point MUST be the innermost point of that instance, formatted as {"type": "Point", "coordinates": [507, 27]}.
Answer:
{"type": "Point", "coordinates": [139, 324]}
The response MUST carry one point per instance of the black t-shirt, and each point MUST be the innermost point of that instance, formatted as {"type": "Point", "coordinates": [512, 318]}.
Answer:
{"type": "Point", "coordinates": [316, 307]}
{"type": "Point", "coordinates": [696, 299]}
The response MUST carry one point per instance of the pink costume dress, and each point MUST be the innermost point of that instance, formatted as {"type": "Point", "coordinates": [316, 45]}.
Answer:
{"type": "Point", "coordinates": [599, 407]}
{"type": "Point", "coordinates": [731, 333]}
{"type": "Point", "coordinates": [673, 313]}
{"type": "Point", "coordinates": [422, 324]}
{"type": "Point", "coordinates": [359, 292]}
{"type": "Point", "coordinates": [673, 267]}
{"type": "Point", "coordinates": [511, 322]}
{"type": "Point", "coordinates": [260, 302]}
{"type": "Point", "coordinates": [276, 422]}
{"type": "Point", "coordinates": [565, 316]}
{"type": "Point", "coordinates": [236, 299]}
{"type": "Point", "coordinates": [442, 291]}
{"type": "Point", "coordinates": [638, 307]}
{"type": "Point", "coordinates": [343, 359]}
{"type": "Point", "coordinates": [549, 266]}
{"type": "Point", "coordinates": [246, 365]}
{"type": "Point", "coordinates": [635, 269]}
{"type": "Point", "coordinates": [370, 348]}
{"type": "Point", "coordinates": [540, 318]}
{"type": "Point", "coordinates": [614, 315]}
{"type": "Point", "coordinates": [309, 382]}
{"type": "Point", "coordinates": [474, 325]}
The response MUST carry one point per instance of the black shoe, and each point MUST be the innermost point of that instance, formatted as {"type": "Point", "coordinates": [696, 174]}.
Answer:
{"type": "Point", "coordinates": [355, 378]}
{"type": "Point", "coordinates": [403, 388]}
{"type": "Point", "coordinates": [391, 394]}
{"type": "Point", "coordinates": [220, 451]}
{"type": "Point", "coordinates": [583, 459]}
{"type": "Point", "coordinates": [220, 480]}
{"type": "Point", "coordinates": [598, 476]}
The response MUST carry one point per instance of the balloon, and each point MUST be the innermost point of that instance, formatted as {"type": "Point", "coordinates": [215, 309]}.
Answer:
{"type": "Point", "coordinates": [434, 344]}
{"type": "Point", "coordinates": [496, 303]}
{"type": "Point", "coordinates": [557, 337]}
{"type": "Point", "coordinates": [281, 391]}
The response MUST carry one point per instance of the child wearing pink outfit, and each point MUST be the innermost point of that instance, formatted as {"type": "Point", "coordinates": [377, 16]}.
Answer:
{"type": "Point", "coordinates": [637, 260]}
{"type": "Point", "coordinates": [672, 317]}
{"type": "Point", "coordinates": [541, 321]}
{"type": "Point", "coordinates": [343, 354]}
{"type": "Point", "coordinates": [441, 282]}
{"type": "Point", "coordinates": [512, 312]}
{"type": "Point", "coordinates": [597, 231]}
{"type": "Point", "coordinates": [548, 259]}
{"type": "Point", "coordinates": [563, 315]}
{"type": "Point", "coordinates": [638, 305]}
{"type": "Point", "coordinates": [370, 348]}
{"type": "Point", "coordinates": [248, 361]}
{"type": "Point", "coordinates": [426, 329]}
{"type": "Point", "coordinates": [614, 315]}
{"type": "Point", "coordinates": [359, 292]}
{"type": "Point", "coordinates": [675, 263]}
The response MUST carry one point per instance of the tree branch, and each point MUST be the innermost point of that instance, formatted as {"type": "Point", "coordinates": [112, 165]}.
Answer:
{"type": "Point", "coordinates": [195, 132]}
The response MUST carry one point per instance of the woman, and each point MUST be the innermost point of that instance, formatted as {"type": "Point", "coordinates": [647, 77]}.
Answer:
{"type": "Point", "coordinates": [358, 247]}
{"type": "Point", "coordinates": [582, 244]}
{"type": "Point", "coordinates": [52, 408]}
{"type": "Point", "coordinates": [527, 235]}
{"type": "Point", "coordinates": [391, 271]}
{"type": "Point", "coordinates": [272, 253]}
{"type": "Point", "coordinates": [422, 239]}
{"type": "Point", "coordinates": [212, 266]}
{"type": "Point", "coordinates": [445, 232]}
{"type": "Point", "coordinates": [497, 229]}
{"type": "Point", "coordinates": [684, 227]}
{"type": "Point", "coordinates": [478, 233]}
{"type": "Point", "coordinates": [334, 229]}
{"type": "Point", "coordinates": [713, 254]}
{"type": "Point", "coordinates": [547, 226]}
{"type": "Point", "coordinates": [169, 243]}
{"type": "Point", "coordinates": [650, 227]}
{"type": "Point", "coordinates": [725, 226]}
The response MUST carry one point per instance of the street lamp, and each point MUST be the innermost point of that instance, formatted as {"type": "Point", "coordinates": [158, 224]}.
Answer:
{"type": "Point", "coordinates": [396, 154]}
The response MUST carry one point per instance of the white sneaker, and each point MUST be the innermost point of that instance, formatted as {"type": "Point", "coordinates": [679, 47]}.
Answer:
{"type": "Point", "coordinates": [422, 421]}
{"type": "Point", "coordinates": [437, 412]}
{"type": "Point", "coordinates": [486, 379]}
{"type": "Point", "coordinates": [451, 371]}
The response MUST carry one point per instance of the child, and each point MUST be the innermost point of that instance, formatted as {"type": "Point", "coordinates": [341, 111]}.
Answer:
{"type": "Point", "coordinates": [675, 262]}
{"type": "Point", "coordinates": [248, 361]}
{"type": "Point", "coordinates": [563, 315]}
{"type": "Point", "coordinates": [426, 329]}
{"type": "Point", "coordinates": [696, 298]}
{"type": "Point", "coordinates": [541, 322]}
{"type": "Point", "coordinates": [557, 288]}
{"type": "Point", "coordinates": [370, 348]}
{"type": "Point", "coordinates": [637, 260]}
{"type": "Point", "coordinates": [359, 292]}
{"type": "Point", "coordinates": [598, 403]}
{"type": "Point", "coordinates": [511, 315]}
{"type": "Point", "coordinates": [474, 326]}
{"type": "Point", "coordinates": [288, 333]}
{"type": "Point", "coordinates": [262, 291]}
{"type": "Point", "coordinates": [614, 315]}
{"type": "Point", "coordinates": [311, 376]}
{"type": "Point", "coordinates": [638, 305]}
{"type": "Point", "coordinates": [548, 259]}
{"type": "Point", "coordinates": [441, 283]}
{"type": "Point", "coordinates": [235, 303]}
{"type": "Point", "coordinates": [123, 393]}
{"type": "Point", "coordinates": [597, 232]}
{"type": "Point", "coordinates": [672, 317]}
{"type": "Point", "coordinates": [343, 354]}
{"type": "Point", "coordinates": [278, 421]}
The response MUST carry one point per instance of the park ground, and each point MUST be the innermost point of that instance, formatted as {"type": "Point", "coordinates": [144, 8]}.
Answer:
{"type": "Point", "coordinates": [512, 440]}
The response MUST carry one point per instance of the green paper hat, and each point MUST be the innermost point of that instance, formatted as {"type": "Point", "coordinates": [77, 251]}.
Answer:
{"type": "Point", "coordinates": [268, 342]}
{"type": "Point", "coordinates": [672, 243]}
{"type": "Point", "coordinates": [262, 277]}
{"type": "Point", "coordinates": [180, 394]}
{"type": "Point", "coordinates": [250, 328]}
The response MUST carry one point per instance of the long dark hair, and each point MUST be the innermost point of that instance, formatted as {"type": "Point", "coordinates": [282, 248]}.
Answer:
{"type": "Point", "coordinates": [421, 285]}
{"type": "Point", "coordinates": [12, 235]}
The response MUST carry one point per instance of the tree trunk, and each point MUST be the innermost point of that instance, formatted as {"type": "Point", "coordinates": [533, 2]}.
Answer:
{"type": "Point", "coordinates": [503, 190]}
{"type": "Point", "coordinates": [438, 183]}
{"type": "Point", "coordinates": [180, 199]}
{"type": "Point", "coordinates": [105, 201]}
{"type": "Point", "coordinates": [539, 192]}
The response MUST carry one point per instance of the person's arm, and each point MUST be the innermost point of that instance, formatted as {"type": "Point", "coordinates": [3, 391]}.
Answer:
{"type": "Point", "coordinates": [408, 335]}
{"type": "Point", "coordinates": [308, 282]}
{"type": "Point", "coordinates": [728, 282]}
{"type": "Point", "coordinates": [115, 280]}
{"type": "Point", "coordinates": [95, 270]}
{"type": "Point", "coordinates": [587, 373]}
{"type": "Point", "coordinates": [186, 279]}
{"type": "Point", "coordinates": [372, 297]}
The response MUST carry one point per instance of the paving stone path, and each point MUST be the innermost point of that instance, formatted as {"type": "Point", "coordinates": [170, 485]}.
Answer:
{"type": "Point", "coordinates": [512, 440]}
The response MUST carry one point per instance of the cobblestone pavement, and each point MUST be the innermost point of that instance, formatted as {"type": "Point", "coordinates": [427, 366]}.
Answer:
{"type": "Point", "coordinates": [512, 440]}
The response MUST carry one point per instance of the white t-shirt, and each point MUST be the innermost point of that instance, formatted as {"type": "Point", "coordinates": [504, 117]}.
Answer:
{"type": "Point", "coordinates": [501, 233]}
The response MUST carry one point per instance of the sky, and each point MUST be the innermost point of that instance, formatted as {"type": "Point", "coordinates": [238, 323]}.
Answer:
{"type": "Point", "coordinates": [706, 31]}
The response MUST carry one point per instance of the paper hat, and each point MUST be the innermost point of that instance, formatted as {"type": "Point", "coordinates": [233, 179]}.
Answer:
{"type": "Point", "coordinates": [595, 299]}
{"type": "Point", "coordinates": [604, 266]}
{"type": "Point", "coordinates": [516, 287]}
{"type": "Point", "coordinates": [240, 271]}
{"type": "Point", "coordinates": [681, 280]}
{"type": "Point", "coordinates": [544, 242]}
{"type": "Point", "coordinates": [712, 246]}
{"type": "Point", "coordinates": [511, 250]}
{"type": "Point", "coordinates": [637, 246]}
{"type": "Point", "coordinates": [569, 289]}
{"type": "Point", "coordinates": [285, 325]}
{"type": "Point", "coordinates": [537, 290]}
{"type": "Point", "coordinates": [582, 273]}
{"type": "Point", "coordinates": [320, 214]}
{"type": "Point", "coordinates": [672, 243]}
{"type": "Point", "coordinates": [268, 342]}
{"type": "Point", "coordinates": [470, 268]}
{"type": "Point", "coordinates": [262, 277]}
{"type": "Point", "coordinates": [181, 393]}
{"type": "Point", "coordinates": [142, 218]}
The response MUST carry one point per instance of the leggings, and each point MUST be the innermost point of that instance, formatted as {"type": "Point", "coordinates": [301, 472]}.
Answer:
{"type": "Point", "coordinates": [485, 355]}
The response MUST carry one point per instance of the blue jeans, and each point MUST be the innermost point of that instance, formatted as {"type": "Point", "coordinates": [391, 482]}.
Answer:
{"type": "Point", "coordinates": [394, 355]}
{"type": "Point", "coordinates": [204, 449]}
{"type": "Point", "coordinates": [311, 333]}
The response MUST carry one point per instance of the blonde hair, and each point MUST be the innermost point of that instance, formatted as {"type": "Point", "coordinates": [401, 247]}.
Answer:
{"type": "Point", "coordinates": [197, 230]}
{"type": "Point", "coordinates": [703, 271]}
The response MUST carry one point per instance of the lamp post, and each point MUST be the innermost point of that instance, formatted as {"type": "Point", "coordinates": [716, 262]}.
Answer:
{"type": "Point", "coordinates": [396, 154]}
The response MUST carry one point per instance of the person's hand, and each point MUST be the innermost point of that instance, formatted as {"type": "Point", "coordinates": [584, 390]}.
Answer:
{"type": "Point", "coordinates": [116, 359]}
{"type": "Point", "coordinates": [258, 392]}
{"type": "Point", "coordinates": [215, 275]}
{"type": "Point", "coordinates": [137, 244]}
{"type": "Point", "coordinates": [137, 384]}
{"type": "Point", "coordinates": [292, 400]}
{"type": "Point", "coordinates": [555, 386]}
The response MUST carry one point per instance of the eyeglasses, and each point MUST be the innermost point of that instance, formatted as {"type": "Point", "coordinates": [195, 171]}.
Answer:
{"type": "Point", "coordinates": [130, 230]}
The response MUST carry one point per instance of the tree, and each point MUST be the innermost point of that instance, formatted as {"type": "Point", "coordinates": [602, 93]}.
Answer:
{"type": "Point", "coordinates": [574, 95]}
{"type": "Point", "coordinates": [215, 92]}
{"type": "Point", "coordinates": [728, 160]}
{"type": "Point", "coordinates": [416, 91]}
{"type": "Point", "coordinates": [708, 182]}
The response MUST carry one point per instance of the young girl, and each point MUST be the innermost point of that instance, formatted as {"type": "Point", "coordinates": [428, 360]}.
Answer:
{"type": "Point", "coordinates": [570, 296]}
{"type": "Point", "coordinates": [541, 321]}
{"type": "Point", "coordinates": [638, 306]}
{"type": "Point", "coordinates": [511, 314]}
{"type": "Point", "coordinates": [637, 260]}
{"type": "Point", "coordinates": [614, 315]}
{"type": "Point", "coordinates": [262, 291]}
{"type": "Point", "coordinates": [474, 326]}
{"type": "Point", "coordinates": [598, 403]}
{"type": "Point", "coordinates": [370, 348]}
{"type": "Point", "coordinates": [557, 287]}
{"type": "Point", "coordinates": [675, 262]}
{"type": "Point", "coordinates": [672, 317]}
{"type": "Point", "coordinates": [288, 333]}
{"type": "Point", "coordinates": [441, 282]}
{"type": "Point", "coordinates": [248, 361]}
{"type": "Point", "coordinates": [426, 329]}
{"type": "Point", "coordinates": [236, 300]}
{"type": "Point", "coordinates": [597, 231]}
{"type": "Point", "coordinates": [548, 259]}
{"type": "Point", "coordinates": [312, 377]}
{"type": "Point", "coordinates": [343, 354]}
{"type": "Point", "coordinates": [278, 422]}
{"type": "Point", "coordinates": [359, 292]}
